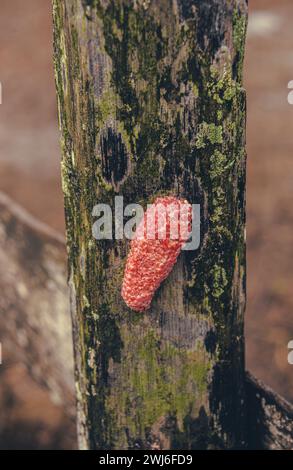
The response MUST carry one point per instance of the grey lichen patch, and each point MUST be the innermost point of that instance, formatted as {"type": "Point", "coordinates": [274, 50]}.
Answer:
{"type": "Point", "coordinates": [91, 358]}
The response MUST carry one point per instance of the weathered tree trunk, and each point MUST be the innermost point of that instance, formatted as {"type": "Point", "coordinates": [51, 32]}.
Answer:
{"type": "Point", "coordinates": [35, 327]}
{"type": "Point", "coordinates": [161, 81]}
{"type": "Point", "coordinates": [270, 417]}
{"type": "Point", "coordinates": [35, 333]}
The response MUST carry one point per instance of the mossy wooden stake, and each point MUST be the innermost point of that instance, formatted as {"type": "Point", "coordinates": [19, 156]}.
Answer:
{"type": "Point", "coordinates": [161, 81]}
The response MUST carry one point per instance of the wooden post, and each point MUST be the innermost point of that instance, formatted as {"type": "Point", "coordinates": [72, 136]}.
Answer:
{"type": "Point", "coordinates": [161, 81]}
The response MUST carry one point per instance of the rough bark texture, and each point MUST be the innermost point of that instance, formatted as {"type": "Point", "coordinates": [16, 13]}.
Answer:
{"type": "Point", "coordinates": [270, 422]}
{"type": "Point", "coordinates": [151, 103]}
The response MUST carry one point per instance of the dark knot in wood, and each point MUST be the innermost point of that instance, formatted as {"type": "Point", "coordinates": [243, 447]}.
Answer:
{"type": "Point", "coordinates": [114, 156]}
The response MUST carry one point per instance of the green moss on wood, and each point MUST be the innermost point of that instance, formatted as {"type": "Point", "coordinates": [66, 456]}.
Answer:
{"type": "Point", "coordinates": [162, 380]}
{"type": "Point", "coordinates": [208, 133]}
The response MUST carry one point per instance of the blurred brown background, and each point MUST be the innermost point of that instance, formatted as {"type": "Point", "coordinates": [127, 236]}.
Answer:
{"type": "Point", "coordinates": [29, 173]}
